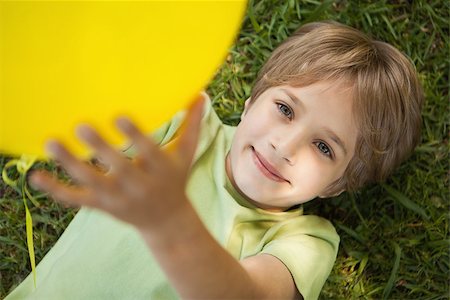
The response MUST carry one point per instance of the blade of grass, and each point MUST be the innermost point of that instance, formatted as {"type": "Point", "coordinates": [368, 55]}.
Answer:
{"type": "Point", "coordinates": [405, 201]}
{"type": "Point", "coordinates": [393, 276]}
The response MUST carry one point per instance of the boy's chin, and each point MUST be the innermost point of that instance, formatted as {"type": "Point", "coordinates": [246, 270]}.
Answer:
{"type": "Point", "coordinates": [258, 199]}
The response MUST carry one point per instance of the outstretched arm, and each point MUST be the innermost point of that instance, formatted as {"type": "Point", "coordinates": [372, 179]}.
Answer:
{"type": "Point", "coordinates": [149, 193]}
{"type": "Point", "coordinates": [199, 268]}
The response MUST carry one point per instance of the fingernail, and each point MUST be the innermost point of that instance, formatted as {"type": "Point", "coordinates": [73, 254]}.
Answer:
{"type": "Point", "coordinates": [198, 100]}
{"type": "Point", "coordinates": [34, 181]}
{"type": "Point", "coordinates": [52, 147]}
{"type": "Point", "coordinates": [123, 122]}
{"type": "Point", "coordinates": [83, 131]}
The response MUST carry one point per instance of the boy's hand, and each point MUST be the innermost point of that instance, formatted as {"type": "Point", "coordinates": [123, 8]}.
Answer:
{"type": "Point", "coordinates": [145, 191]}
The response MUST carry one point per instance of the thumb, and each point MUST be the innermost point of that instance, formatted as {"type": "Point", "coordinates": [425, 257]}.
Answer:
{"type": "Point", "coordinates": [189, 132]}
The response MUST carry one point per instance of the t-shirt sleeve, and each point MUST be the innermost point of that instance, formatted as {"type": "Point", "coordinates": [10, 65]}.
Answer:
{"type": "Point", "coordinates": [168, 132]}
{"type": "Point", "coordinates": [308, 254]}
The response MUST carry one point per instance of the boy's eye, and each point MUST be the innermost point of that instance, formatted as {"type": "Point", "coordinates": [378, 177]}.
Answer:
{"type": "Point", "coordinates": [285, 110]}
{"type": "Point", "coordinates": [324, 149]}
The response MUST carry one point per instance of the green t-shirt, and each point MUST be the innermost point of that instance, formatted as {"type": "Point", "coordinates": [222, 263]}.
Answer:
{"type": "Point", "coordinates": [99, 257]}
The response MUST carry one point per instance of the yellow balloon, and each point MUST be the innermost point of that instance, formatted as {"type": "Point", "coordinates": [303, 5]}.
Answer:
{"type": "Point", "coordinates": [68, 62]}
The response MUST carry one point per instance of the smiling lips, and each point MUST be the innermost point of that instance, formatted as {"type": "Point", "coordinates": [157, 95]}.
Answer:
{"type": "Point", "coordinates": [266, 168]}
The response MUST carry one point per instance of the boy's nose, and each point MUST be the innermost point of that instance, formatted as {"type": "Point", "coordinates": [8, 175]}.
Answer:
{"type": "Point", "coordinates": [288, 146]}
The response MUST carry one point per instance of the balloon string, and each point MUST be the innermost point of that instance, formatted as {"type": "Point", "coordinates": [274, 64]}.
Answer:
{"type": "Point", "coordinates": [23, 165]}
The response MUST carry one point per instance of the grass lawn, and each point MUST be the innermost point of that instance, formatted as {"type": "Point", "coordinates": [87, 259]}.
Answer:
{"type": "Point", "coordinates": [395, 241]}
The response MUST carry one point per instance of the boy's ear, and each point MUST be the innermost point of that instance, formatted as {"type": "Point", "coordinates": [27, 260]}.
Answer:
{"type": "Point", "coordinates": [246, 105]}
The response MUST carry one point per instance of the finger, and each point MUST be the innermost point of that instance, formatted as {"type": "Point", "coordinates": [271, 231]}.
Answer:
{"type": "Point", "coordinates": [99, 165]}
{"type": "Point", "coordinates": [103, 150]}
{"type": "Point", "coordinates": [80, 171]}
{"type": "Point", "coordinates": [148, 150]}
{"type": "Point", "coordinates": [61, 192]}
{"type": "Point", "coordinates": [130, 174]}
{"type": "Point", "coordinates": [190, 131]}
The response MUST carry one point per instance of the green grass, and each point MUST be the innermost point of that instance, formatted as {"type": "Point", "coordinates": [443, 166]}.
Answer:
{"type": "Point", "coordinates": [395, 239]}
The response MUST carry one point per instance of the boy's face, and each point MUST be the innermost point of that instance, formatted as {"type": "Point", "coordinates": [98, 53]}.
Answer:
{"type": "Point", "coordinates": [291, 144]}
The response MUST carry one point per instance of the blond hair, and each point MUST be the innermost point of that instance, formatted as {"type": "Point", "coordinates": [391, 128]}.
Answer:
{"type": "Point", "coordinates": [387, 95]}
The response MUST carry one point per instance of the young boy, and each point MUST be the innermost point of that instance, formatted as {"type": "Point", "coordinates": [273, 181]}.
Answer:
{"type": "Point", "coordinates": [330, 111]}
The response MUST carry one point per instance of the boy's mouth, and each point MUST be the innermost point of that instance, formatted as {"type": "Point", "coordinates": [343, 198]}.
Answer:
{"type": "Point", "coordinates": [266, 168]}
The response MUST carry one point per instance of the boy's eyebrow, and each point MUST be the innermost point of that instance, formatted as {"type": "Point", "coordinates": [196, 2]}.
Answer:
{"type": "Point", "coordinates": [294, 98]}
{"type": "Point", "coordinates": [336, 139]}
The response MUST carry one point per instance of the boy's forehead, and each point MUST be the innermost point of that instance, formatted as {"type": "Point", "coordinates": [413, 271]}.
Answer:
{"type": "Point", "coordinates": [337, 84]}
{"type": "Point", "coordinates": [339, 89]}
